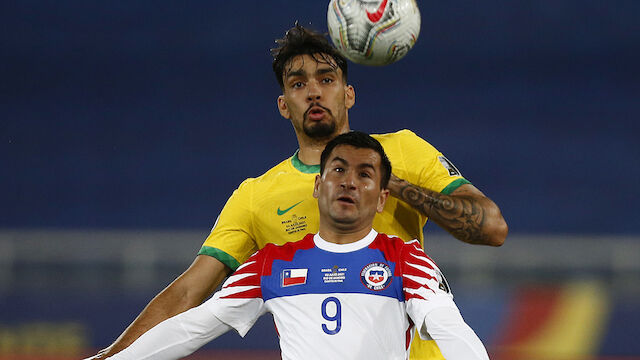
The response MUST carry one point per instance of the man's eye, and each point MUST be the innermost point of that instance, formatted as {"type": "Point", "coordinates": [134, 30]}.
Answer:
{"type": "Point", "coordinates": [297, 84]}
{"type": "Point", "coordinates": [365, 174]}
{"type": "Point", "coordinates": [338, 169]}
{"type": "Point", "coordinates": [327, 80]}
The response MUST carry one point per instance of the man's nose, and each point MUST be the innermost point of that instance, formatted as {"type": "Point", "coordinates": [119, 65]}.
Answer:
{"type": "Point", "coordinates": [314, 90]}
{"type": "Point", "coordinates": [349, 181]}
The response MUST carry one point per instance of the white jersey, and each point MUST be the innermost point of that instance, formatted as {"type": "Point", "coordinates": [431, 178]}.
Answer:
{"type": "Point", "coordinates": [351, 301]}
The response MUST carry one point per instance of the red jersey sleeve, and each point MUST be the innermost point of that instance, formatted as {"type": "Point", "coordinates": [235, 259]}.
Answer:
{"type": "Point", "coordinates": [245, 281]}
{"type": "Point", "coordinates": [425, 287]}
{"type": "Point", "coordinates": [239, 303]}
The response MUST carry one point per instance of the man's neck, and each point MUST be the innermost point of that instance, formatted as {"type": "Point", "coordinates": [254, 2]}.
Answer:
{"type": "Point", "coordinates": [311, 149]}
{"type": "Point", "coordinates": [338, 236]}
{"type": "Point", "coordinates": [310, 155]}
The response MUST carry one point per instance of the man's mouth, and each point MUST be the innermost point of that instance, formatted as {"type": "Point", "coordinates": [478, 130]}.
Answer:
{"type": "Point", "coordinates": [347, 199]}
{"type": "Point", "coordinates": [315, 113]}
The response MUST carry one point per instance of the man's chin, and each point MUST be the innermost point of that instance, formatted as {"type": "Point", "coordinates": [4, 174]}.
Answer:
{"type": "Point", "coordinates": [320, 130]}
{"type": "Point", "coordinates": [345, 219]}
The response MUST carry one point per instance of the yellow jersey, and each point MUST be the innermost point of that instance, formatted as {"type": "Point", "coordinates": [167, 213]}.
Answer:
{"type": "Point", "coordinates": [279, 207]}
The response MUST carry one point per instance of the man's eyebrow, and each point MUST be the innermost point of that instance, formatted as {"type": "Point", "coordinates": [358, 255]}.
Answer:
{"type": "Point", "coordinates": [338, 158]}
{"type": "Point", "coordinates": [300, 72]}
{"type": "Point", "coordinates": [326, 70]}
{"type": "Point", "coordinates": [367, 166]}
{"type": "Point", "coordinates": [293, 73]}
{"type": "Point", "coordinates": [361, 166]}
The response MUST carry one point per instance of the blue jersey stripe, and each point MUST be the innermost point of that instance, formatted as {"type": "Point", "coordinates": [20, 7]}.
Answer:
{"type": "Point", "coordinates": [329, 272]}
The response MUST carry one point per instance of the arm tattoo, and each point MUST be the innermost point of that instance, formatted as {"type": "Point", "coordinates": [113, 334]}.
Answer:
{"type": "Point", "coordinates": [461, 216]}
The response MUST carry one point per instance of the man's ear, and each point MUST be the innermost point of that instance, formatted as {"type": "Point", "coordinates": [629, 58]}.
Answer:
{"type": "Point", "coordinates": [283, 108]}
{"type": "Point", "coordinates": [316, 185]}
{"type": "Point", "coordinates": [349, 96]}
{"type": "Point", "coordinates": [382, 199]}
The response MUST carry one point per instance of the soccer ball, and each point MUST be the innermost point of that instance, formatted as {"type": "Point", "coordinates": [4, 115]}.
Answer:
{"type": "Point", "coordinates": [373, 32]}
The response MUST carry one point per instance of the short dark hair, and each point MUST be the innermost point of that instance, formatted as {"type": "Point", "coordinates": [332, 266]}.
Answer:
{"type": "Point", "coordinates": [359, 140]}
{"type": "Point", "coordinates": [302, 41]}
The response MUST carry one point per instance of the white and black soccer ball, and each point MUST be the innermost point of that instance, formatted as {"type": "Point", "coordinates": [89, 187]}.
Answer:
{"type": "Point", "coordinates": [373, 32]}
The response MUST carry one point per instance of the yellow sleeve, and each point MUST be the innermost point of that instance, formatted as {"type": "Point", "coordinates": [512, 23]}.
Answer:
{"type": "Point", "coordinates": [231, 239]}
{"type": "Point", "coordinates": [425, 166]}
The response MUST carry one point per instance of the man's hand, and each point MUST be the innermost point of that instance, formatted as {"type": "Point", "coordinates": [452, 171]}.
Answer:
{"type": "Point", "coordinates": [189, 290]}
{"type": "Point", "coordinates": [467, 213]}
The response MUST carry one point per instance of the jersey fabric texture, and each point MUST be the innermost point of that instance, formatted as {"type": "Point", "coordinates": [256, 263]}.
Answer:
{"type": "Point", "coordinates": [279, 206]}
{"type": "Point", "coordinates": [351, 301]}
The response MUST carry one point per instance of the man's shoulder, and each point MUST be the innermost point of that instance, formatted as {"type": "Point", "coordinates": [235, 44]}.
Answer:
{"type": "Point", "coordinates": [287, 250]}
{"type": "Point", "coordinates": [402, 141]}
{"type": "Point", "coordinates": [392, 246]}
{"type": "Point", "coordinates": [399, 135]}
{"type": "Point", "coordinates": [276, 173]}
{"type": "Point", "coordinates": [389, 238]}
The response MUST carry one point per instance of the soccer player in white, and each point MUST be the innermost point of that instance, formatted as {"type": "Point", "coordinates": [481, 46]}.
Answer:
{"type": "Point", "coordinates": [346, 292]}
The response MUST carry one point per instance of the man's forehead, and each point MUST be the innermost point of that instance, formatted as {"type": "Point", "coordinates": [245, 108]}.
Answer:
{"type": "Point", "coordinates": [311, 63]}
{"type": "Point", "coordinates": [354, 155]}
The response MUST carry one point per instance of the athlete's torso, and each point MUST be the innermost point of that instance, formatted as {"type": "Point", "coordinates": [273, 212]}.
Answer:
{"type": "Point", "coordinates": [341, 301]}
{"type": "Point", "coordinates": [335, 301]}
{"type": "Point", "coordinates": [279, 207]}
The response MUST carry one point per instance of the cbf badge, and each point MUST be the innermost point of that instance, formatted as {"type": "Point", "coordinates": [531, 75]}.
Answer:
{"type": "Point", "coordinates": [376, 276]}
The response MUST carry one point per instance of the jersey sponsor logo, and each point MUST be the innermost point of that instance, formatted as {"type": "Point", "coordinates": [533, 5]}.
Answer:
{"type": "Point", "coordinates": [282, 212]}
{"type": "Point", "coordinates": [453, 171]}
{"type": "Point", "coordinates": [376, 276]}
{"type": "Point", "coordinates": [291, 277]}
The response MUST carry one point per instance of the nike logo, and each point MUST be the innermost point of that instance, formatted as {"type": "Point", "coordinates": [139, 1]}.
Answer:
{"type": "Point", "coordinates": [376, 16]}
{"type": "Point", "coordinates": [282, 212]}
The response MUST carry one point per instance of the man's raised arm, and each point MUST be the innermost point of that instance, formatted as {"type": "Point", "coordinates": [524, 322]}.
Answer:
{"type": "Point", "coordinates": [466, 213]}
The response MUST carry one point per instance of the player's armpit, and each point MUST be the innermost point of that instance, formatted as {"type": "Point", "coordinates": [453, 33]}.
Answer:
{"type": "Point", "coordinates": [467, 213]}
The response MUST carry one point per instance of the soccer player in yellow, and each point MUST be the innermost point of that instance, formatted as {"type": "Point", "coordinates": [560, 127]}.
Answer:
{"type": "Point", "coordinates": [279, 205]}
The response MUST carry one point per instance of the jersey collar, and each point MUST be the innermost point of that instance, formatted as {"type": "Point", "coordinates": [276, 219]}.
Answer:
{"type": "Point", "coordinates": [345, 248]}
{"type": "Point", "coordinates": [302, 167]}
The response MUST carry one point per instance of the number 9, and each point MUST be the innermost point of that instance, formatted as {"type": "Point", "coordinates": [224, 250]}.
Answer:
{"type": "Point", "coordinates": [337, 317]}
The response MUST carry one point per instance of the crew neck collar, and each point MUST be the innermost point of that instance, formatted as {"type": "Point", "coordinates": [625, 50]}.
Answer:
{"type": "Point", "coordinates": [345, 248]}
{"type": "Point", "coordinates": [302, 167]}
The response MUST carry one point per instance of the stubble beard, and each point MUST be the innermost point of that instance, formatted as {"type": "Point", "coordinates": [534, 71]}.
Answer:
{"type": "Point", "coordinates": [342, 220]}
{"type": "Point", "coordinates": [319, 130]}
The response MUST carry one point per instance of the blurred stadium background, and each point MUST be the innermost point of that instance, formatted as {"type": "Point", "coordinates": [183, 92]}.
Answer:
{"type": "Point", "coordinates": [124, 127]}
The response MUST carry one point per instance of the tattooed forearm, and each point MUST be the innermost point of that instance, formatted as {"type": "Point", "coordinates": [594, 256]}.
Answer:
{"type": "Point", "coordinates": [463, 217]}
